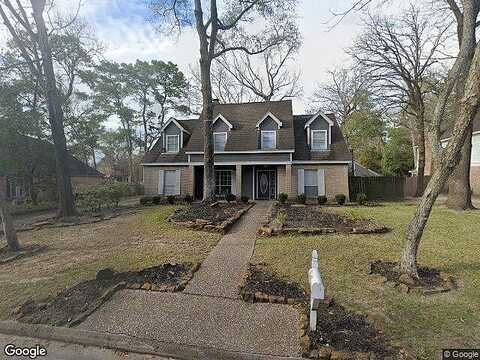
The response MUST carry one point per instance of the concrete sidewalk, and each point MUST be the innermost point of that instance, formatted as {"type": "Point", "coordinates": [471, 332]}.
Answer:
{"type": "Point", "coordinates": [209, 313]}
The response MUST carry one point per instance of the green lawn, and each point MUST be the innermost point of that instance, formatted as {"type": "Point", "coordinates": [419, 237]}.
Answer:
{"type": "Point", "coordinates": [75, 254]}
{"type": "Point", "coordinates": [451, 243]}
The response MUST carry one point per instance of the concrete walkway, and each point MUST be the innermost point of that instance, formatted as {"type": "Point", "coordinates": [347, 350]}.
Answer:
{"type": "Point", "coordinates": [221, 273]}
{"type": "Point", "coordinates": [209, 313]}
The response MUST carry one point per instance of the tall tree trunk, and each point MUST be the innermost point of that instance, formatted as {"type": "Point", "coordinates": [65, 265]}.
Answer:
{"type": "Point", "coordinates": [55, 115]}
{"type": "Point", "coordinates": [8, 226]}
{"type": "Point", "coordinates": [207, 112]}
{"type": "Point", "coordinates": [459, 190]}
{"type": "Point", "coordinates": [468, 108]}
{"type": "Point", "coordinates": [94, 159]}
{"type": "Point", "coordinates": [145, 125]}
{"type": "Point", "coordinates": [421, 159]}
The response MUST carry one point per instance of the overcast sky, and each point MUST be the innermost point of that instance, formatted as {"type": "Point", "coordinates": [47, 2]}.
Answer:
{"type": "Point", "coordinates": [124, 28]}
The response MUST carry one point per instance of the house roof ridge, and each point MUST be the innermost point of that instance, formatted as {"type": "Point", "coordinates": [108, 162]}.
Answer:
{"type": "Point", "coordinates": [254, 102]}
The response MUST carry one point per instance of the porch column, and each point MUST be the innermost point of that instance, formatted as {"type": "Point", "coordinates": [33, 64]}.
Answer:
{"type": "Point", "coordinates": [288, 181]}
{"type": "Point", "coordinates": [238, 180]}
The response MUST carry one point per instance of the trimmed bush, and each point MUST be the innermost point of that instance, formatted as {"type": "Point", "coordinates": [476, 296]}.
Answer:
{"type": "Point", "coordinates": [340, 199]}
{"type": "Point", "coordinates": [283, 197]}
{"type": "Point", "coordinates": [171, 199]}
{"type": "Point", "coordinates": [362, 198]}
{"type": "Point", "coordinates": [188, 199]}
{"type": "Point", "coordinates": [93, 198]}
{"type": "Point", "coordinates": [157, 199]}
{"type": "Point", "coordinates": [301, 198]}
{"type": "Point", "coordinates": [244, 199]}
{"type": "Point", "coordinates": [230, 197]}
{"type": "Point", "coordinates": [322, 199]}
{"type": "Point", "coordinates": [146, 200]}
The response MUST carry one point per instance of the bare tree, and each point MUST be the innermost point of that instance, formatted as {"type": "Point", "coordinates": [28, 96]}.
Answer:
{"type": "Point", "coordinates": [219, 34]}
{"type": "Point", "coordinates": [343, 93]}
{"type": "Point", "coordinates": [40, 63]}
{"type": "Point", "coordinates": [262, 77]}
{"type": "Point", "coordinates": [398, 54]}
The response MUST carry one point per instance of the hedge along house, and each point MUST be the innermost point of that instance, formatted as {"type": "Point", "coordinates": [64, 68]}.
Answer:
{"type": "Point", "coordinates": [261, 150]}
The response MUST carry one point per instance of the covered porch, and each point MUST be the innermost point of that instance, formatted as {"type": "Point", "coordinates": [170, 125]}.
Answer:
{"type": "Point", "coordinates": [258, 182]}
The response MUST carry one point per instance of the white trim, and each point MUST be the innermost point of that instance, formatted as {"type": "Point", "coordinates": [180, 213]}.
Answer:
{"type": "Point", "coordinates": [219, 133]}
{"type": "Point", "coordinates": [448, 138]}
{"type": "Point", "coordinates": [166, 144]}
{"type": "Point", "coordinates": [176, 123]}
{"type": "Point", "coordinates": [221, 117]}
{"type": "Point", "coordinates": [274, 139]}
{"type": "Point", "coordinates": [326, 140]}
{"type": "Point", "coordinates": [274, 118]}
{"type": "Point", "coordinates": [270, 151]}
{"type": "Point", "coordinates": [314, 117]}
{"type": "Point", "coordinates": [294, 162]}
{"type": "Point", "coordinates": [254, 186]}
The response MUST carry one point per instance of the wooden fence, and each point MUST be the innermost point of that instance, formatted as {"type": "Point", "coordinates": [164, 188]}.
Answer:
{"type": "Point", "coordinates": [384, 187]}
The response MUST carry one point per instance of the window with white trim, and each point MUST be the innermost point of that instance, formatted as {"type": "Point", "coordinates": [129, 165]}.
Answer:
{"type": "Point", "coordinates": [219, 141]}
{"type": "Point", "coordinates": [169, 182]}
{"type": "Point", "coordinates": [223, 182]}
{"type": "Point", "coordinates": [311, 183]}
{"type": "Point", "coordinates": [172, 145]}
{"type": "Point", "coordinates": [268, 139]}
{"type": "Point", "coordinates": [319, 140]}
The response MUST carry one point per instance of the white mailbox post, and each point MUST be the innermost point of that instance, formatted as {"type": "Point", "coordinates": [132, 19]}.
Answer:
{"type": "Point", "coordinates": [317, 291]}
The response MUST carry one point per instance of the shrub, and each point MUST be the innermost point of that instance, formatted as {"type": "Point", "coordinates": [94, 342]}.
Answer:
{"type": "Point", "coordinates": [136, 189]}
{"type": "Point", "coordinates": [281, 217]}
{"type": "Point", "coordinates": [157, 199]}
{"type": "Point", "coordinates": [188, 199]}
{"type": "Point", "coordinates": [301, 198]}
{"type": "Point", "coordinates": [322, 199]}
{"type": "Point", "coordinates": [244, 199]}
{"type": "Point", "coordinates": [340, 199]}
{"type": "Point", "coordinates": [362, 198]}
{"type": "Point", "coordinates": [93, 198]}
{"type": "Point", "coordinates": [283, 197]}
{"type": "Point", "coordinates": [146, 200]}
{"type": "Point", "coordinates": [171, 199]}
{"type": "Point", "coordinates": [230, 197]}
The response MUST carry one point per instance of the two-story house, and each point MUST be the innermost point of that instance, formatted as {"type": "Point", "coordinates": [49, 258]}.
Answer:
{"type": "Point", "coordinates": [261, 150]}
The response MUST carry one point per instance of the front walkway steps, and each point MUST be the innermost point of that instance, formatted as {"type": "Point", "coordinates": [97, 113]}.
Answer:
{"type": "Point", "coordinates": [208, 313]}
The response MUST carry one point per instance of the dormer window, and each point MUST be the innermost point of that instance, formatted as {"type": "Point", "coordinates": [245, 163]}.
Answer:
{"type": "Point", "coordinates": [219, 141]}
{"type": "Point", "coordinates": [319, 140]}
{"type": "Point", "coordinates": [173, 142]}
{"type": "Point", "coordinates": [268, 139]}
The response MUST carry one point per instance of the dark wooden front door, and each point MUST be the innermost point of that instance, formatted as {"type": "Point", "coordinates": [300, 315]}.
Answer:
{"type": "Point", "coordinates": [266, 184]}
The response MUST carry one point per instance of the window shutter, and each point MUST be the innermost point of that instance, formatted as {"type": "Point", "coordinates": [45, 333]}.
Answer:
{"type": "Point", "coordinates": [321, 181]}
{"type": "Point", "coordinates": [301, 182]}
{"type": "Point", "coordinates": [161, 178]}
{"type": "Point", "coordinates": [177, 182]}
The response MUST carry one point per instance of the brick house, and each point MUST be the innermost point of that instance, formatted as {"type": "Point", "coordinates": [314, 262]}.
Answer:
{"type": "Point", "coordinates": [38, 160]}
{"type": "Point", "coordinates": [261, 150]}
{"type": "Point", "coordinates": [475, 160]}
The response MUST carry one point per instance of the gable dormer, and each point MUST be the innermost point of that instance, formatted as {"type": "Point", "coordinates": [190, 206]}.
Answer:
{"type": "Point", "coordinates": [173, 136]}
{"type": "Point", "coordinates": [221, 128]}
{"type": "Point", "coordinates": [267, 131]}
{"type": "Point", "coordinates": [319, 132]}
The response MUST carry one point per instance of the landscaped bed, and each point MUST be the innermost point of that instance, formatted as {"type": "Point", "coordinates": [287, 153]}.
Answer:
{"type": "Point", "coordinates": [315, 220]}
{"type": "Point", "coordinates": [215, 217]}
{"type": "Point", "coordinates": [71, 306]}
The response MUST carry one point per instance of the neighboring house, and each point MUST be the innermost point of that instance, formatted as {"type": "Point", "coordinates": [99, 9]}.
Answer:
{"type": "Point", "coordinates": [475, 160]}
{"type": "Point", "coordinates": [261, 150]}
{"type": "Point", "coordinates": [37, 160]}
{"type": "Point", "coordinates": [357, 169]}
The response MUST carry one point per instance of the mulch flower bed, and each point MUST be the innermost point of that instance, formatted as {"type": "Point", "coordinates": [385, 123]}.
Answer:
{"type": "Point", "coordinates": [342, 334]}
{"type": "Point", "coordinates": [263, 286]}
{"type": "Point", "coordinates": [7, 255]}
{"type": "Point", "coordinates": [73, 305]}
{"type": "Point", "coordinates": [215, 217]}
{"type": "Point", "coordinates": [431, 281]}
{"type": "Point", "coordinates": [315, 220]}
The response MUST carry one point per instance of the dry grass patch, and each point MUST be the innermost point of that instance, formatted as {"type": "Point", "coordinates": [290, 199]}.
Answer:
{"type": "Point", "coordinates": [422, 323]}
{"type": "Point", "coordinates": [75, 254]}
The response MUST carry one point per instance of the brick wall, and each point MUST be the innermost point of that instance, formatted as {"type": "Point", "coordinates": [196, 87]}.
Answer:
{"type": "Point", "coordinates": [150, 179]}
{"type": "Point", "coordinates": [336, 179]}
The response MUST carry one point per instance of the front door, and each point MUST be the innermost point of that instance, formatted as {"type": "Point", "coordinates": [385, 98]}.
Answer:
{"type": "Point", "coordinates": [266, 184]}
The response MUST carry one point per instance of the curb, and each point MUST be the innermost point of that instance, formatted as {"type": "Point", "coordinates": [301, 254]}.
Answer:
{"type": "Point", "coordinates": [127, 343]}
